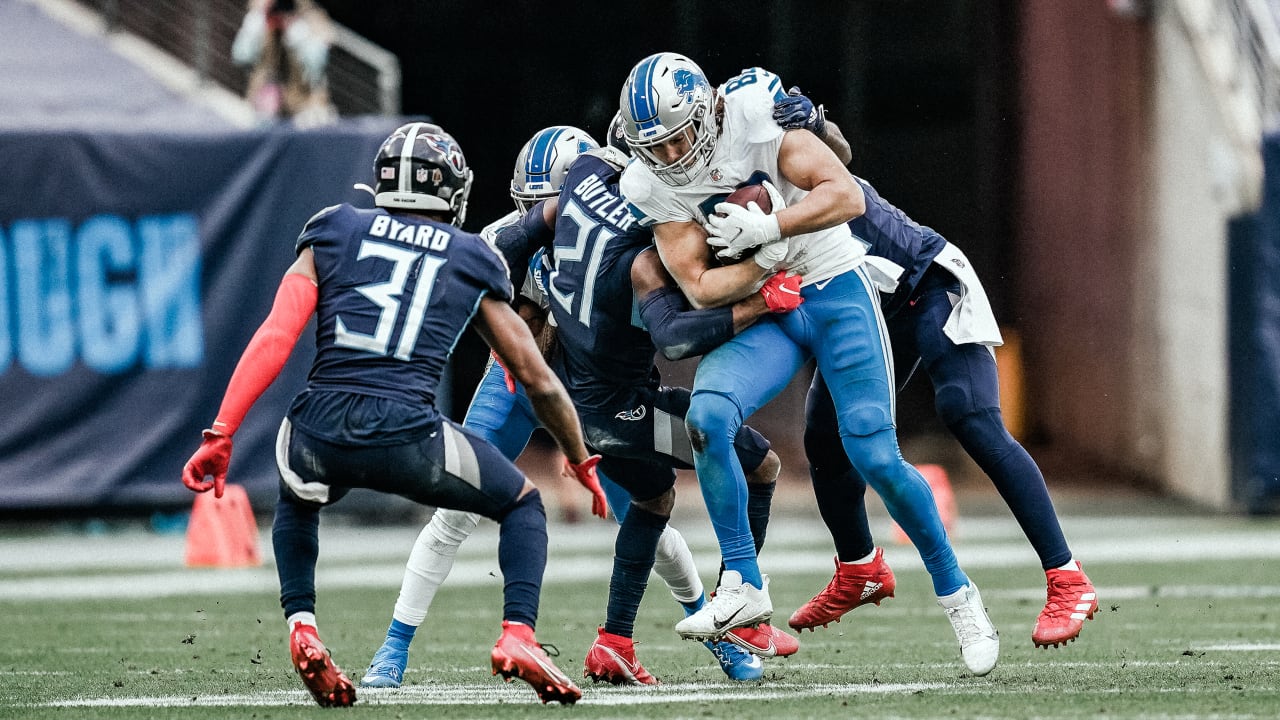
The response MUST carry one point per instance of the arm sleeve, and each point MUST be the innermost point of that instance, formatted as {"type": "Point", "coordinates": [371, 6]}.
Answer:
{"type": "Point", "coordinates": [680, 332]}
{"type": "Point", "coordinates": [268, 350]}
{"type": "Point", "coordinates": [519, 241]}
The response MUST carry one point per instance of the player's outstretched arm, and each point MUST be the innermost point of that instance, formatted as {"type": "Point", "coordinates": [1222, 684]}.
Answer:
{"type": "Point", "coordinates": [678, 330]}
{"type": "Point", "coordinates": [260, 364]}
{"type": "Point", "coordinates": [834, 196]}
{"type": "Point", "coordinates": [511, 340]}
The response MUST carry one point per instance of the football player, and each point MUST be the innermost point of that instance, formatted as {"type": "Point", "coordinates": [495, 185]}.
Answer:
{"type": "Point", "coordinates": [605, 273]}
{"type": "Point", "coordinates": [696, 144]}
{"type": "Point", "coordinates": [938, 317]}
{"type": "Point", "coordinates": [500, 413]}
{"type": "Point", "coordinates": [392, 289]}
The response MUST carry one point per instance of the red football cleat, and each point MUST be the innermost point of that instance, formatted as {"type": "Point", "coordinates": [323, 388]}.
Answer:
{"type": "Point", "coordinates": [612, 659]}
{"type": "Point", "coordinates": [1071, 601]}
{"type": "Point", "coordinates": [322, 676]}
{"type": "Point", "coordinates": [763, 640]}
{"type": "Point", "coordinates": [518, 654]}
{"type": "Point", "coordinates": [852, 585]}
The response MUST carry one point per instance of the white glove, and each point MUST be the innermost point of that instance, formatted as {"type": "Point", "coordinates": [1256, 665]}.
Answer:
{"type": "Point", "coordinates": [769, 255]}
{"type": "Point", "coordinates": [740, 229]}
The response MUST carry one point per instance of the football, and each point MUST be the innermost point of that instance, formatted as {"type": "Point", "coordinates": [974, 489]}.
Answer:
{"type": "Point", "coordinates": [752, 193]}
{"type": "Point", "coordinates": [743, 195]}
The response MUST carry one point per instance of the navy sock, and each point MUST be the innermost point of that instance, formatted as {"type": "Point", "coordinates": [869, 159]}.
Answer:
{"type": "Point", "coordinates": [296, 543]}
{"type": "Point", "coordinates": [759, 500]}
{"type": "Point", "coordinates": [522, 556]}
{"type": "Point", "coordinates": [633, 555]}
{"type": "Point", "coordinates": [1018, 480]}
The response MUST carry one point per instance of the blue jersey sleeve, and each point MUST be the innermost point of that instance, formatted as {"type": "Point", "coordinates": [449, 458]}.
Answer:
{"type": "Point", "coordinates": [681, 332]}
{"type": "Point", "coordinates": [519, 241]}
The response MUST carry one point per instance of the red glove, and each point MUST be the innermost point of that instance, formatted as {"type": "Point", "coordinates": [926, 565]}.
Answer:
{"type": "Point", "coordinates": [212, 459]}
{"type": "Point", "coordinates": [506, 374]}
{"type": "Point", "coordinates": [585, 472]}
{"type": "Point", "coordinates": [782, 293]}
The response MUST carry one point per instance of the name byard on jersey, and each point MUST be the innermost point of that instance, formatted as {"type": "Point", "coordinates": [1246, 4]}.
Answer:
{"type": "Point", "coordinates": [426, 236]}
{"type": "Point", "coordinates": [608, 206]}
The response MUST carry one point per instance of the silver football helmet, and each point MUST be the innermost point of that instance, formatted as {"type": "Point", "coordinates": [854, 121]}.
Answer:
{"type": "Point", "coordinates": [668, 94]}
{"type": "Point", "coordinates": [544, 161]}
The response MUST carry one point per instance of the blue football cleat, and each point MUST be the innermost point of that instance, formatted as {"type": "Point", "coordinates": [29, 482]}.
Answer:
{"type": "Point", "coordinates": [737, 663]}
{"type": "Point", "coordinates": [386, 670]}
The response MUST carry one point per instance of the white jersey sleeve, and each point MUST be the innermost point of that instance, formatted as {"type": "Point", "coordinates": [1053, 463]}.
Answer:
{"type": "Point", "coordinates": [746, 153]}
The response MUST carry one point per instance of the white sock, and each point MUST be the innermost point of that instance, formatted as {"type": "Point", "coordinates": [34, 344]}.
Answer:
{"type": "Point", "coordinates": [862, 561]}
{"type": "Point", "coordinates": [674, 564]}
{"type": "Point", "coordinates": [1071, 565]}
{"type": "Point", "coordinates": [430, 562]}
{"type": "Point", "coordinates": [301, 618]}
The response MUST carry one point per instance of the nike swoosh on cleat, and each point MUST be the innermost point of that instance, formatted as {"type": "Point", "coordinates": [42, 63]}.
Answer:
{"type": "Point", "coordinates": [551, 671]}
{"type": "Point", "coordinates": [719, 624]}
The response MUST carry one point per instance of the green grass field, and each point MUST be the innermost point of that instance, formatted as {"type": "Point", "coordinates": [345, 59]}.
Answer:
{"type": "Point", "coordinates": [114, 627]}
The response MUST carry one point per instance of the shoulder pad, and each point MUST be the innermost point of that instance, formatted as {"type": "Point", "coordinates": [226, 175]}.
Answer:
{"type": "Point", "coordinates": [612, 155]}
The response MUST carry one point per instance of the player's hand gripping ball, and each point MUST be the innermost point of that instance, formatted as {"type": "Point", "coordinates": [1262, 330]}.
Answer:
{"type": "Point", "coordinates": [739, 232]}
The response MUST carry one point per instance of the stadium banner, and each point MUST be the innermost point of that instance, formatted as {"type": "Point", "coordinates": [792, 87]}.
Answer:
{"type": "Point", "coordinates": [1255, 346]}
{"type": "Point", "coordinates": [134, 268]}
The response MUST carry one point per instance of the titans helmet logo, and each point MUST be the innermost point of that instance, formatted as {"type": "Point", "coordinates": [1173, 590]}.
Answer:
{"type": "Point", "coordinates": [450, 150]}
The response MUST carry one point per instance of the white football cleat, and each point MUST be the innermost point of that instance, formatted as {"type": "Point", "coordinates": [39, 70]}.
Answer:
{"type": "Point", "coordinates": [979, 641]}
{"type": "Point", "coordinates": [736, 604]}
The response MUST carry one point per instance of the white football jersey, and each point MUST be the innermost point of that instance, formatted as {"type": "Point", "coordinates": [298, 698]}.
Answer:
{"type": "Point", "coordinates": [746, 152]}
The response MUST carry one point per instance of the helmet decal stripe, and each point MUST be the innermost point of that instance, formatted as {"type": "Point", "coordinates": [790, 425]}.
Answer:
{"type": "Point", "coordinates": [405, 181]}
{"type": "Point", "coordinates": [542, 154]}
{"type": "Point", "coordinates": [643, 103]}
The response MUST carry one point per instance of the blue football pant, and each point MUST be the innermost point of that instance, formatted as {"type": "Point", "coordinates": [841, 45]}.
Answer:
{"type": "Point", "coordinates": [839, 325]}
{"type": "Point", "coordinates": [967, 398]}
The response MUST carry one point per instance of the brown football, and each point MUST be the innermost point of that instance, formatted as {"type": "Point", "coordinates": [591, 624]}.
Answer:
{"type": "Point", "coordinates": [751, 193]}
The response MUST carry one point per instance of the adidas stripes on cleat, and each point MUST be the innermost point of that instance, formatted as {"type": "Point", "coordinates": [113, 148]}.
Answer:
{"type": "Point", "coordinates": [851, 586]}
{"type": "Point", "coordinates": [1071, 601]}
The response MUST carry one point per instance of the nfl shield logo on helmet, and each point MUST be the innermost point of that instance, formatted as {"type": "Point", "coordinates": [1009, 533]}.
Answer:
{"type": "Point", "coordinates": [422, 174]}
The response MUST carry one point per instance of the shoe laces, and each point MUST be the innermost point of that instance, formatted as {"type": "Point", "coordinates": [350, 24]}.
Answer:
{"type": "Point", "coordinates": [727, 653]}
{"type": "Point", "coordinates": [1064, 592]}
{"type": "Point", "coordinates": [965, 621]}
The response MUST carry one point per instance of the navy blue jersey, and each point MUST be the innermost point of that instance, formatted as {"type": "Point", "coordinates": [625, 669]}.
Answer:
{"type": "Point", "coordinates": [606, 351]}
{"type": "Point", "coordinates": [894, 236]}
{"type": "Point", "coordinates": [396, 291]}
{"type": "Point", "coordinates": [520, 241]}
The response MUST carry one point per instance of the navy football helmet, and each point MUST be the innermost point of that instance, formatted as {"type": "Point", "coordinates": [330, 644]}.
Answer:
{"type": "Point", "coordinates": [666, 94]}
{"type": "Point", "coordinates": [420, 167]}
{"type": "Point", "coordinates": [616, 136]}
{"type": "Point", "coordinates": [544, 161]}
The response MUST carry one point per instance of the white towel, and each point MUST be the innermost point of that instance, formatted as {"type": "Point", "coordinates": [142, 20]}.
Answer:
{"type": "Point", "coordinates": [971, 319]}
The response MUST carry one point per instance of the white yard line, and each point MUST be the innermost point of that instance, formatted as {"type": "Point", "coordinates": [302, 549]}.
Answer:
{"type": "Point", "coordinates": [516, 692]}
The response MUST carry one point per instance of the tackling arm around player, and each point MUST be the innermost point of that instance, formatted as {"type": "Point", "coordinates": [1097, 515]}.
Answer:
{"type": "Point", "coordinates": [936, 287]}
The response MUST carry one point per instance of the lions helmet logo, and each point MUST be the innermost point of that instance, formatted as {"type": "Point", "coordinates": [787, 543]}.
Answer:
{"type": "Point", "coordinates": [686, 83]}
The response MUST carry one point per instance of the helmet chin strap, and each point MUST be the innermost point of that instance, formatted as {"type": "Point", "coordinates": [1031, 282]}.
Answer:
{"type": "Point", "coordinates": [366, 188]}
